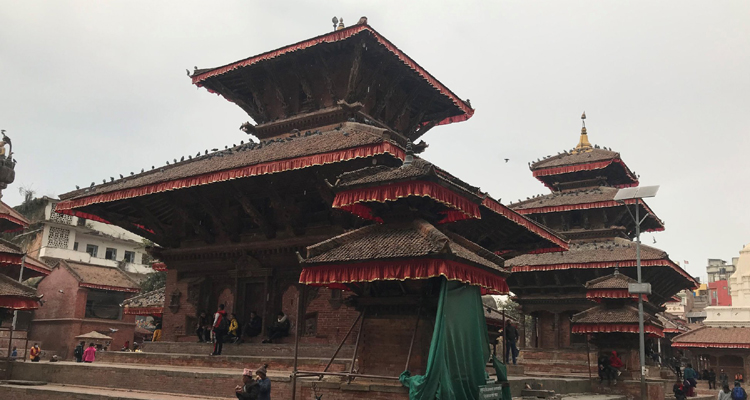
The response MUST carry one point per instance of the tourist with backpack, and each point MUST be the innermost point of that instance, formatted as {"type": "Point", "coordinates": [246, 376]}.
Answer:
{"type": "Point", "coordinates": [738, 393]}
{"type": "Point", "coordinates": [220, 328]}
{"type": "Point", "coordinates": [78, 352]}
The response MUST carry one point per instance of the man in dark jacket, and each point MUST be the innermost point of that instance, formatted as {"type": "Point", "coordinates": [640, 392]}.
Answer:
{"type": "Point", "coordinates": [511, 337]}
{"type": "Point", "coordinates": [279, 328]}
{"type": "Point", "coordinates": [202, 328]}
{"type": "Point", "coordinates": [712, 379]}
{"type": "Point", "coordinates": [78, 352]}
{"type": "Point", "coordinates": [253, 326]}
{"type": "Point", "coordinates": [249, 389]}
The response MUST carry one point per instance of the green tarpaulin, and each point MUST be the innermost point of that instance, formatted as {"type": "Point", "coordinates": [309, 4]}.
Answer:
{"type": "Point", "coordinates": [459, 349]}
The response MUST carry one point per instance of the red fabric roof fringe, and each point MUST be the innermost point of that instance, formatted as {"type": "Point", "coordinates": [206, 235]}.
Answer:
{"type": "Point", "coordinates": [614, 328]}
{"type": "Point", "coordinates": [155, 311]}
{"type": "Point", "coordinates": [712, 345]}
{"type": "Point", "coordinates": [18, 303]}
{"type": "Point", "coordinates": [514, 216]}
{"type": "Point", "coordinates": [340, 274]}
{"type": "Point", "coordinates": [113, 288]}
{"type": "Point", "coordinates": [23, 224]}
{"type": "Point", "coordinates": [270, 167]}
{"type": "Point", "coordinates": [159, 266]}
{"type": "Point", "coordinates": [16, 259]}
{"type": "Point", "coordinates": [587, 206]}
{"type": "Point", "coordinates": [611, 294]}
{"type": "Point", "coordinates": [339, 36]}
{"type": "Point", "coordinates": [609, 264]}
{"type": "Point", "coordinates": [586, 167]}
{"type": "Point", "coordinates": [395, 191]}
{"type": "Point", "coordinates": [362, 211]}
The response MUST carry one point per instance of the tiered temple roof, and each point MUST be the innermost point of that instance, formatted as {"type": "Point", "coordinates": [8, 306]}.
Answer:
{"type": "Point", "coordinates": [616, 312]}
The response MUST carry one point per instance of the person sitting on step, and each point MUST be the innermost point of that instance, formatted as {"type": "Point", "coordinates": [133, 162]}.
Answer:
{"type": "Point", "coordinates": [279, 328]}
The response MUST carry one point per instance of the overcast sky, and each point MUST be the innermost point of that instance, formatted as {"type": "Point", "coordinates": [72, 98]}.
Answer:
{"type": "Point", "coordinates": [89, 90]}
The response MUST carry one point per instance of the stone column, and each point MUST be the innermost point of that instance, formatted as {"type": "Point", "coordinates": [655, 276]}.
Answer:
{"type": "Point", "coordinates": [522, 322]}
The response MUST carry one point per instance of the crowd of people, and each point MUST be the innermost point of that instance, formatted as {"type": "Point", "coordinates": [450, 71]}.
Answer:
{"type": "Point", "coordinates": [227, 328]}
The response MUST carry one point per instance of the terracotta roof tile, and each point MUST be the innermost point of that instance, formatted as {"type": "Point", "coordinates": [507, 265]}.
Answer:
{"type": "Point", "coordinates": [154, 298]}
{"type": "Point", "coordinates": [620, 315]}
{"type": "Point", "coordinates": [11, 219]}
{"type": "Point", "coordinates": [614, 281]}
{"type": "Point", "coordinates": [331, 138]}
{"type": "Point", "coordinates": [407, 240]}
{"type": "Point", "coordinates": [9, 287]}
{"type": "Point", "coordinates": [101, 276]}
{"type": "Point", "coordinates": [716, 335]}
{"type": "Point", "coordinates": [568, 197]}
{"type": "Point", "coordinates": [610, 250]}
{"type": "Point", "coordinates": [574, 159]}
{"type": "Point", "coordinates": [419, 168]}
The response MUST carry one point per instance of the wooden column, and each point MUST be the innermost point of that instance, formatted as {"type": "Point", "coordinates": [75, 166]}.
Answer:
{"type": "Point", "coordinates": [523, 331]}
{"type": "Point", "coordinates": [556, 333]}
{"type": "Point", "coordinates": [534, 333]}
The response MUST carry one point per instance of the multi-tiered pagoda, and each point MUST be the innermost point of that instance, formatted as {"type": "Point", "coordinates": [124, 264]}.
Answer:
{"type": "Point", "coordinates": [336, 117]}
{"type": "Point", "coordinates": [551, 287]}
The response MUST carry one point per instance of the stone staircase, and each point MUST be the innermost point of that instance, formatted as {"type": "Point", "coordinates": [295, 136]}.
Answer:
{"type": "Point", "coordinates": [186, 371]}
{"type": "Point", "coordinates": [567, 362]}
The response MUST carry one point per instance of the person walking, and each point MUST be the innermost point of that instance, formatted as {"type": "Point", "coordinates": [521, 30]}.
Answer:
{"type": "Point", "coordinates": [725, 393]}
{"type": "Point", "coordinates": [220, 328]}
{"type": "Point", "coordinates": [605, 371]}
{"type": "Point", "coordinates": [738, 393]}
{"type": "Point", "coordinates": [723, 378]}
{"type": "Point", "coordinates": [712, 379]}
{"type": "Point", "coordinates": [249, 389]}
{"type": "Point", "coordinates": [78, 352]}
{"type": "Point", "coordinates": [264, 384]}
{"type": "Point", "coordinates": [511, 337]}
{"type": "Point", "coordinates": [89, 355]}
{"type": "Point", "coordinates": [35, 353]}
{"type": "Point", "coordinates": [690, 376]}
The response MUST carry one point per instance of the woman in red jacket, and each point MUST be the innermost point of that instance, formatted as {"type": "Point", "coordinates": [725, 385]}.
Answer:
{"type": "Point", "coordinates": [616, 363]}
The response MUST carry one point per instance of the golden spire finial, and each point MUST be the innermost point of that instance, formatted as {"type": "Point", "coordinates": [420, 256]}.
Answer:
{"type": "Point", "coordinates": [341, 24]}
{"type": "Point", "coordinates": [583, 144]}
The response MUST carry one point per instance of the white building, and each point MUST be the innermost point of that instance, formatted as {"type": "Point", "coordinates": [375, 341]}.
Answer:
{"type": "Point", "coordinates": [78, 239]}
{"type": "Point", "coordinates": [738, 314]}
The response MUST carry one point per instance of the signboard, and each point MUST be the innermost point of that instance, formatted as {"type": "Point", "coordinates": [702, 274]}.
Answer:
{"type": "Point", "coordinates": [639, 288]}
{"type": "Point", "coordinates": [491, 392]}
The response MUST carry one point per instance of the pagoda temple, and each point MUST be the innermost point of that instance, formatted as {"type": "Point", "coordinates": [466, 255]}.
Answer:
{"type": "Point", "coordinates": [330, 216]}
{"type": "Point", "coordinates": [551, 287]}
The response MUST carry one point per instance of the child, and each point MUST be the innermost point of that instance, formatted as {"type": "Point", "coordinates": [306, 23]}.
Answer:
{"type": "Point", "coordinates": [90, 354]}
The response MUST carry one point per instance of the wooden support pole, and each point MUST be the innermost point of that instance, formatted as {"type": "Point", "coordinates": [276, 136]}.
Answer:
{"type": "Point", "coordinates": [349, 332]}
{"type": "Point", "coordinates": [298, 333]}
{"type": "Point", "coordinates": [413, 336]}
{"type": "Point", "coordinates": [356, 344]}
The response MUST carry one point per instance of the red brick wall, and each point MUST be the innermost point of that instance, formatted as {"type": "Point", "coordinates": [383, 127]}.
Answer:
{"type": "Point", "coordinates": [546, 322]}
{"type": "Point", "coordinates": [173, 324]}
{"type": "Point", "coordinates": [332, 323]}
{"type": "Point", "coordinates": [385, 344]}
{"type": "Point", "coordinates": [70, 303]}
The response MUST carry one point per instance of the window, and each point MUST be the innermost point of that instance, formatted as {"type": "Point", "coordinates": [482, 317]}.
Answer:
{"type": "Point", "coordinates": [92, 249]}
{"type": "Point", "coordinates": [110, 254]}
{"type": "Point", "coordinates": [75, 246]}
{"type": "Point", "coordinates": [104, 304]}
{"type": "Point", "coordinates": [58, 237]}
{"type": "Point", "coordinates": [81, 221]}
{"type": "Point", "coordinates": [129, 257]}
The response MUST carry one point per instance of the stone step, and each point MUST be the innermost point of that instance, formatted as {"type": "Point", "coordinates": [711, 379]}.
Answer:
{"type": "Point", "coordinates": [202, 382]}
{"type": "Point", "coordinates": [279, 363]}
{"type": "Point", "coordinates": [555, 355]}
{"type": "Point", "coordinates": [249, 349]}
{"type": "Point", "coordinates": [70, 392]}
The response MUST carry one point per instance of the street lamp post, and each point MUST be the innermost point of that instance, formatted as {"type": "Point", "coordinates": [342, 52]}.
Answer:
{"type": "Point", "coordinates": [640, 288]}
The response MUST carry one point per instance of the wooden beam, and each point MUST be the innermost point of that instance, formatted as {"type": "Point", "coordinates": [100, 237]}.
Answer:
{"type": "Point", "coordinates": [258, 217]}
{"type": "Point", "coordinates": [354, 71]}
{"type": "Point", "coordinates": [250, 109]}
{"type": "Point", "coordinates": [392, 86]}
{"type": "Point", "coordinates": [327, 78]}
{"type": "Point", "coordinates": [403, 106]}
{"type": "Point", "coordinates": [129, 224]}
{"type": "Point", "coordinates": [277, 89]}
{"type": "Point", "coordinates": [220, 223]}
{"type": "Point", "coordinates": [181, 209]}
{"type": "Point", "coordinates": [284, 207]}
{"type": "Point", "coordinates": [257, 99]}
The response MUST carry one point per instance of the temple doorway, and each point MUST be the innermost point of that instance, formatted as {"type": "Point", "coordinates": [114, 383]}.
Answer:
{"type": "Point", "coordinates": [253, 301]}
